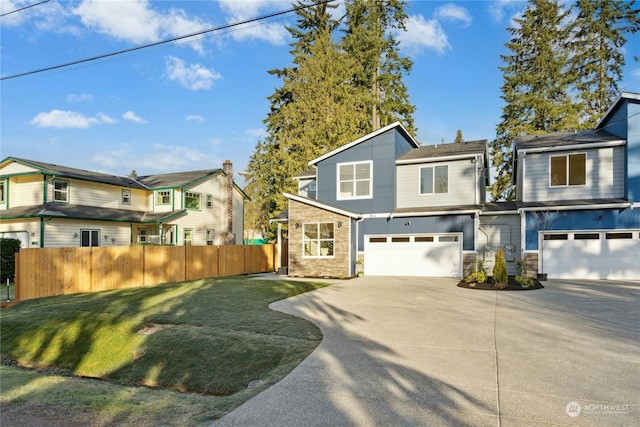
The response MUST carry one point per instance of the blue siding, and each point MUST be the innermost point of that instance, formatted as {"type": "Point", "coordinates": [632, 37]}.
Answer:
{"type": "Point", "coordinates": [420, 225]}
{"type": "Point", "coordinates": [633, 152]}
{"type": "Point", "coordinates": [383, 150]}
{"type": "Point", "coordinates": [610, 219]}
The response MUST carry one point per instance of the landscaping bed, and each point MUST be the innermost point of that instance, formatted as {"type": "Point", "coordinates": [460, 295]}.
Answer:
{"type": "Point", "coordinates": [511, 285]}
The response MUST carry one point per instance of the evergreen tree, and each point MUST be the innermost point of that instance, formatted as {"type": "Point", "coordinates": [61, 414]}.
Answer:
{"type": "Point", "coordinates": [459, 137]}
{"type": "Point", "coordinates": [599, 37]}
{"type": "Point", "coordinates": [536, 85]}
{"type": "Point", "coordinates": [368, 38]}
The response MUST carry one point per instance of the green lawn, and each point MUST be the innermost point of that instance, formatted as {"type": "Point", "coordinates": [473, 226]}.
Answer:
{"type": "Point", "coordinates": [209, 337]}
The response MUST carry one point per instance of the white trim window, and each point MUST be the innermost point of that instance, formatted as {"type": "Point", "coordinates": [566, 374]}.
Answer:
{"type": "Point", "coordinates": [355, 180]}
{"type": "Point", "coordinates": [434, 179]}
{"type": "Point", "coordinates": [209, 201]}
{"type": "Point", "coordinates": [163, 197]}
{"type": "Point", "coordinates": [188, 237]}
{"type": "Point", "coordinates": [210, 236]}
{"type": "Point", "coordinates": [126, 196]}
{"type": "Point", "coordinates": [89, 238]}
{"type": "Point", "coordinates": [568, 170]}
{"type": "Point", "coordinates": [318, 240]}
{"type": "Point", "coordinates": [3, 185]}
{"type": "Point", "coordinates": [60, 191]}
{"type": "Point", "coordinates": [192, 200]}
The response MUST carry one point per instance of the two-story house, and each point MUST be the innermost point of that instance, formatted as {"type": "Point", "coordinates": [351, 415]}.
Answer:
{"type": "Point", "coordinates": [384, 205]}
{"type": "Point", "coordinates": [46, 205]}
{"type": "Point", "coordinates": [578, 194]}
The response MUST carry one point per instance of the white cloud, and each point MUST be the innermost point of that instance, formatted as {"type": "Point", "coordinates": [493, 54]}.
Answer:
{"type": "Point", "coordinates": [138, 21]}
{"type": "Point", "coordinates": [69, 120]}
{"type": "Point", "coordinates": [421, 33]}
{"type": "Point", "coordinates": [499, 9]}
{"type": "Point", "coordinates": [257, 133]}
{"type": "Point", "coordinates": [132, 117]}
{"type": "Point", "coordinates": [159, 158]}
{"type": "Point", "coordinates": [79, 97]}
{"type": "Point", "coordinates": [194, 76]}
{"type": "Point", "coordinates": [49, 16]}
{"type": "Point", "coordinates": [242, 10]}
{"type": "Point", "coordinates": [451, 12]}
{"type": "Point", "coordinates": [194, 118]}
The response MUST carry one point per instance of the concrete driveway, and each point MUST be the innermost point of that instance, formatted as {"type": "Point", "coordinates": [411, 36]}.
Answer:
{"type": "Point", "coordinates": [421, 351]}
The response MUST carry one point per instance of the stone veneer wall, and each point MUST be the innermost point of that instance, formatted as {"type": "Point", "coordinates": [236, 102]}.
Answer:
{"type": "Point", "coordinates": [336, 266]}
{"type": "Point", "coordinates": [530, 260]}
{"type": "Point", "coordinates": [468, 263]}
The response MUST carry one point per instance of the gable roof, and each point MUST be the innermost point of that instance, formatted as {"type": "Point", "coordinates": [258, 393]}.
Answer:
{"type": "Point", "coordinates": [451, 150]}
{"type": "Point", "coordinates": [631, 96]}
{"type": "Point", "coordinates": [565, 140]}
{"type": "Point", "coordinates": [177, 179]}
{"type": "Point", "coordinates": [67, 172]}
{"type": "Point", "coordinates": [396, 125]}
{"type": "Point", "coordinates": [322, 205]}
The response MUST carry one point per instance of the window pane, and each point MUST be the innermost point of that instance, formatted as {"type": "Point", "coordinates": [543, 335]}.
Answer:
{"type": "Point", "coordinates": [426, 180]}
{"type": "Point", "coordinates": [558, 174]}
{"type": "Point", "coordinates": [362, 188]}
{"type": "Point", "coordinates": [442, 179]}
{"type": "Point", "coordinates": [86, 236]}
{"type": "Point", "coordinates": [363, 171]}
{"type": "Point", "coordinates": [311, 248]}
{"type": "Point", "coordinates": [577, 169]}
{"type": "Point", "coordinates": [326, 231]}
{"type": "Point", "coordinates": [346, 172]}
{"type": "Point", "coordinates": [346, 189]}
{"type": "Point", "coordinates": [310, 231]}
{"type": "Point", "coordinates": [326, 248]}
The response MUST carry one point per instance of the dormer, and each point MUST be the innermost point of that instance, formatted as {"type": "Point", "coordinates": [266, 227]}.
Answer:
{"type": "Point", "coordinates": [307, 183]}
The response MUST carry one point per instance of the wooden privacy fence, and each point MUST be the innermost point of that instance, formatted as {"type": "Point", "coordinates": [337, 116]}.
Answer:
{"type": "Point", "coordinates": [60, 271]}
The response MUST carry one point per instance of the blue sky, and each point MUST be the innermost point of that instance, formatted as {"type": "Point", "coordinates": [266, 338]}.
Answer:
{"type": "Point", "coordinates": [192, 104]}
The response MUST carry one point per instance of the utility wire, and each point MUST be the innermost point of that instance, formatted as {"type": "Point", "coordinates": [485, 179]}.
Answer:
{"type": "Point", "coordinates": [23, 8]}
{"type": "Point", "coordinates": [198, 33]}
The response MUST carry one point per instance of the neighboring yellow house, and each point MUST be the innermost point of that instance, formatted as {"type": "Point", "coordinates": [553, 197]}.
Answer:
{"type": "Point", "coordinates": [46, 205]}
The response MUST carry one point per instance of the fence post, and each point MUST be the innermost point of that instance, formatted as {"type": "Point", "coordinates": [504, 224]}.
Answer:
{"type": "Point", "coordinates": [16, 277]}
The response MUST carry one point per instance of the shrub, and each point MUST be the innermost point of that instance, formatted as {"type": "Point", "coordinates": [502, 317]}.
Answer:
{"type": "Point", "coordinates": [525, 282]}
{"type": "Point", "coordinates": [477, 277]}
{"type": "Point", "coordinates": [8, 250]}
{"type": "Point", "coordinates": [500, 268]}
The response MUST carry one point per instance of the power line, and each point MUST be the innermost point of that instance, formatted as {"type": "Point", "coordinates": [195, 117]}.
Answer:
{"type": "Point", "coordinates": [23, 8]}
{"type": "Point", "coordinates": [199, 33]}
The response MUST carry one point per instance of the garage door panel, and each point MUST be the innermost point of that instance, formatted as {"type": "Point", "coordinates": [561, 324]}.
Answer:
{"type": "Point", "coordinates": [592, 255]}
{"type": "Point", "coordinates": [420, 256]}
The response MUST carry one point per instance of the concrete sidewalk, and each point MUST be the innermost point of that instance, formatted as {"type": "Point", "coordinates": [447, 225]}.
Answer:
{"type": "Point", "coordinates": [421, 351]}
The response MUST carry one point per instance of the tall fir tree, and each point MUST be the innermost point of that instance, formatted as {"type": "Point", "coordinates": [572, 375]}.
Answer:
{"type": "Point", "coordinates": [368, 37]}
{"type": "Point", "coordinates": [599, 32]}
{"type": "Point", "coordinates": [536, 83]}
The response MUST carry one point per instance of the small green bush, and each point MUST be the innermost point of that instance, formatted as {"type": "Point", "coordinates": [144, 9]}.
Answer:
{"type": "Point", "coordinates": [8, 250]}
{"type": "Point", "coordinates": [477, 277]}
{"type": "Point", "coordinates": [500, 268]}
{"type": "Point", "coordinates": [525, 282]}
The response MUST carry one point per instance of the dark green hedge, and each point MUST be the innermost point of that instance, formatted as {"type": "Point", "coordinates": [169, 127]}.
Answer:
{"type": "Point", "coordinates": [8, 250]}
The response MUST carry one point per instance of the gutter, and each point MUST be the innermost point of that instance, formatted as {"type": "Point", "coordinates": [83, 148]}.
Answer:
{"type": "Point", "coordinates": [575, 208]}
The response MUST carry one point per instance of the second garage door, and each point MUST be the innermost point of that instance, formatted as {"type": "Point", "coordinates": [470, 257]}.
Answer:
{"type": "Point", "coordinates": [438, 255]}
{"type": "Point", "coordinates": [592, 255]}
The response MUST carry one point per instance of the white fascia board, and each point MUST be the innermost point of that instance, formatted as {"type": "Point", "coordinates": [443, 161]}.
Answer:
{"type": "Point", "coordinates": [320, 205]}
{"type": "Point", "coordinates": [439, 159]}
{"type": "Point", "coordinates": [625, 95]}
{"type": "Point", "coordinates": [490, 213]}
{"type": "Point", "coordinates": [435, 213]}
{"type": "Point", "coordinates": [577, 207]}
{"type": "Point", "coordinates": [364, 138]}
{"type": "Point", "coordinates": [526, 151]}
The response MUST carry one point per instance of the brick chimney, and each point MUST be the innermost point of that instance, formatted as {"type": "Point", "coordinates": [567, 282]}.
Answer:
{"type": "Point", "coordinates": [227, 168]}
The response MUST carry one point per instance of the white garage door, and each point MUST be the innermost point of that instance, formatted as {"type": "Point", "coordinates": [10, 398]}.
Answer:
{"type": "Point", "coordinates": [613, 255]}
{"type": "Point", "coordinates": [438, 255]}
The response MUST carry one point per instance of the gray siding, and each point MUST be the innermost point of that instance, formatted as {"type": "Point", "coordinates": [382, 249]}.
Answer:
{"type": "Point", "coordinates": [497, 231]}
{"type": "Point", "coordinates": [605, 176]}
{"type": "Point", "coordinates": [382, 150]}
{"type": "Point", "coordinates": [463, 185]}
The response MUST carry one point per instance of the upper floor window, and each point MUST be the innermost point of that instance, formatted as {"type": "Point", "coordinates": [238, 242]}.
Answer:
{"type": "Point", "coordinates": [2, 187]}
{"type": "Point", "coordinates": [568, 170]}
{"type": "Point", "coordinates": [210, 236]}
{"type": "Point", "coordinates": [60, 191]}
{"type": "Point", "coordinates": [209, 201]}
{"type": "Point", "coordinates": [163, 197]}
{"type": "Point", "coordinates": [318, 239]}
{"type": "Point", "coordinates": [126, 197]}
{"type": "Point", "coordinates": [354, 180]}
{"type": "Point", "coordinates": [191, 200]}
{"type": "Point", "coordinates": [434, 180]}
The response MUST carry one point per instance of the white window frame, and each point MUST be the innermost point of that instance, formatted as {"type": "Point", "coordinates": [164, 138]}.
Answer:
{"type": "Point", "coordinates": [142, 235]}
{"type": "Point", "coordinates": [567, 171]}
{"type": "Point", "coordinates": [126, 196]}
{"type": "Point", "coordinates": [193, 194]}
{"type": "Point", "coordinates": [160, 197]}
{"type": "Point", "coordinates": [433, 180]}
{"type": "Point", "coordinates": [90, 232]}
{"type": "Point", "coordinates": [210, 232]}
{"type": "Point", "coordinates": [319, 240]}
{"type": "Point", "coordinates": [209, 201]}
{"type": "Point", "coordinates": [3, 187]}
{"type": "Point", "coordinates": [354, 181]}
{"type": "Point", "coordinates": [188, 242]}
{"type": "Point", "coordinates": [64, 191]}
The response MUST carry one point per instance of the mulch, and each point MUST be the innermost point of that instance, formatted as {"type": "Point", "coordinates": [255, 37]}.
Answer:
{"type": "Point", "coordinates": [512, 285]}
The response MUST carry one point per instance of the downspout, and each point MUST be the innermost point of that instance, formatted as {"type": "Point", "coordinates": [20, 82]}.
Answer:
{"type": "Point", "coordinates": [358, 221]}
{"type": "Point", "coordinates": [41, 232]}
